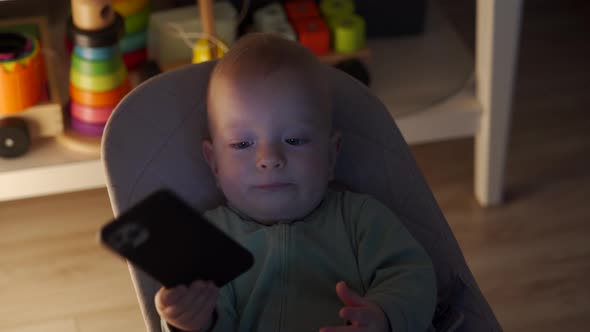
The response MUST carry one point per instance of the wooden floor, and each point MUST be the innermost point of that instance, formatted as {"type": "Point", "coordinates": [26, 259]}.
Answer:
{"type": "Point", "coordinates": [531, 256]}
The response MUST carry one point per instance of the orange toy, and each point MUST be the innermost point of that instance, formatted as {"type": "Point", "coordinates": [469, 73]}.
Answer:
{"type": "Point", "coordinates": [21, 82]}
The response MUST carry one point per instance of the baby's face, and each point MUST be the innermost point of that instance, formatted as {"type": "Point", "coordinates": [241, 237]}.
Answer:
{"type": "Point", "coordinates": [272, 152]}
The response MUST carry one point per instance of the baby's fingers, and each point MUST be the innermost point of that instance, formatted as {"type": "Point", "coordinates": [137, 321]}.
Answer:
{"type": "Point", "coordinates": [360, 315]}
{"type": "Point", "coordinates": [202, 293]}
{"type": "Point", "coordinates": [169, 296]}
{"type": "Point", "coordinates": [205, 314]}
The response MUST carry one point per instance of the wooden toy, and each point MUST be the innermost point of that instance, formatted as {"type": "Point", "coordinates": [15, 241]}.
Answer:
{"type": "Point", "coordinates": [86, 128]}
{"type": "Point", "coordinates": [281, 28]}
{"type": "Point", "coordinates": [268, 16]}
{"type": "Point", "coordinates": [348, 33]}
{"type": "Point", "coordinates": [99, 99]}
{"type": "Point", "coordinates": [333, 9]}
{"type": "Point", "coordinates": [95, 67]}
{"type": "Point", "coordinates": [314, 34]}
{"type": "Point", "coordinates": [99, 83]}
{"type": "Point", "coordinates": [96, 53]}
{"type": "Point", "coordinates": [346, 40]}
{"type": "Point", "coordinates": [21, 73]}
{"type": "Point", "coordinates": [135, 58]}
{"type": "Point", "coordinates": [301, 9]}
{"type": "Point", "coordinates": [173, 33]}
{"type": "Point", "coordinates": [106, 37]}
{"type": "Point", "coordinates": [136, 15]}
{"type": "Point", "coordinates": [14, 137]}
{"type": "Point", "coordinates": [30, 108]}
{"type": "Point", "coordinates": [138, 21]}
{"type": "Point", "coordinates": [98, 74]}
{"type": "Point", "coordinates": [90, 114]}
{"type": "Point", "coordinates": [92, 15]}
{"type": "Point", "coordinates": [134, 41]}
{"type": "Point", "coordinates": [129, 7]}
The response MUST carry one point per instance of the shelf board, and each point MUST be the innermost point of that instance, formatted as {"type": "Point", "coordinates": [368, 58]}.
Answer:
{"type": "Point", "coordinates": [48, 168]}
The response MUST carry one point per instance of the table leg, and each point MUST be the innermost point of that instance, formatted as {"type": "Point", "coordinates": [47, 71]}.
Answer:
{"type": "Point", "coordinates": [497, 36]}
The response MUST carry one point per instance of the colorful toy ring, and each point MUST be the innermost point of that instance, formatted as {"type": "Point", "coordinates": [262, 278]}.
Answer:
{"type": "Point", "coordinates": [99, 83]}
{"type": "Point", "coordinates": [129, 7]}
{"type": "Point", "coordinates": [87, 128]}
{"type": "Point", "coordinates": [133, 41]}
{"type": "Point", "coordinates": [100, 99]}
{"type": "Point", "coordinates": [89, 114]}
{"type": "Point", "coordinates": [138, 21]}
{"type": "Point", "coordinates": [96, 67]}
{"type": "Point", "coordinates": [98, 53]}
{"type": "Point", "coordinates": [108, 36]}
{"type": "Point", "coordinates": [135, 58]}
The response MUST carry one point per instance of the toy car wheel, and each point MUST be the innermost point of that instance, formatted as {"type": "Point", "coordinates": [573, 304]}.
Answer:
{"type": "Point", "coordinates": [14, 137]}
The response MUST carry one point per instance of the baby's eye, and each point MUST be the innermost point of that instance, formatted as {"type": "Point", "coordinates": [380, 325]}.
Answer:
{"type": "Point", "coordinates": [241, 145]}
{"type": "Point", "coordinates": [295, 141]}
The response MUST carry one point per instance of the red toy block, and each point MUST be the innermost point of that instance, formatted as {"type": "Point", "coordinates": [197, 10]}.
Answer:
{"type": "Point", "coordinates": [301, 9]}
{"type": "Point", "coordinates": [314, 34]}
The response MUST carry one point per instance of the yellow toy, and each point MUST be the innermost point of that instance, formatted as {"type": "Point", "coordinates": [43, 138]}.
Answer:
{"type": "Point", "coordinates": [205, 49]}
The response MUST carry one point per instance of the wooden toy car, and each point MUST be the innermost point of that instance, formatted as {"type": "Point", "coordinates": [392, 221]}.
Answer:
{"type": "Point", "coordinates": [26, 115]}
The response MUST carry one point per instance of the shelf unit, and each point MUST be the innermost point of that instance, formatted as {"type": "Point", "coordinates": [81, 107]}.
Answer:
{"type": "Point", "coordinates": [431, 84]}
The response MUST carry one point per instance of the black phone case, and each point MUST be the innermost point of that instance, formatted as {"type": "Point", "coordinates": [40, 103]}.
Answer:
{"type": "Point", "coordinates": [169, 240]}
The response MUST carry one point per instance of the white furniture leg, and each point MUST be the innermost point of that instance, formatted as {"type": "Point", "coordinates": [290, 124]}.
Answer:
{"type": "Point", "coordinates": [497, 36]}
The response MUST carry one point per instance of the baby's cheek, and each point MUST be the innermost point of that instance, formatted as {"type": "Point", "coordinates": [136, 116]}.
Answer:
{"type": "Point", "coordinates": [232, 172]}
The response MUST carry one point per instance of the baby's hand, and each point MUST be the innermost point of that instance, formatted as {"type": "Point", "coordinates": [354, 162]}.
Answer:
{"type": "Point", "coordinates": [364, 315]}
{"type": "Point", "coordinates": [188, 308]}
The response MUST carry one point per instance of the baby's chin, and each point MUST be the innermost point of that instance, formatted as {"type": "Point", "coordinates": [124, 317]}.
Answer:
{"type": "Point", "coordinates": [277, 219]}
{"type": "Point", "coordinates": [275, 212]}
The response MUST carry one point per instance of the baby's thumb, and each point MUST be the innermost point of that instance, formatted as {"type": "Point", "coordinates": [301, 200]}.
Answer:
{"type": "Point", "coordinates": [348, 296]}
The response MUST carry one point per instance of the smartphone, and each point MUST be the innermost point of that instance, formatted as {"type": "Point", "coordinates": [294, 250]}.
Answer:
{"type": "Point", "coordinates": [173, 243]}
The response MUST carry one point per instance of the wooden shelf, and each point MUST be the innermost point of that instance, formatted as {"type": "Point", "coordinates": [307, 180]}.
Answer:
{"type": "Point", "coordinates": [411, 75]}
{"type": "Point", "coordinates": [48, 168]}
{"type": "Point", "coordinates": [425, 81]}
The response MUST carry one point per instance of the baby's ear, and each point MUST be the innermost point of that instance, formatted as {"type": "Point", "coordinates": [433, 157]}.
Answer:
{"type": "Point", "coordinates": [209, 154]}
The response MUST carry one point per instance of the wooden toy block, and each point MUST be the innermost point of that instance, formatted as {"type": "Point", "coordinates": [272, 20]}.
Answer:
{"type": "Point", "coordinates": [314, 34]}
{"type": "Point", "coordinates": [301, 9]}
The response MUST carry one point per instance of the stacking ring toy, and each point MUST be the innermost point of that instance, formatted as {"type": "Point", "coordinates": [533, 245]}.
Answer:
{"type": "Point", "coordinates": [87, 128]}
{"type": "Point", "coordinates": [100, 99]}
{"type": "Point", "coordinates": [133, 41]}
{"type": "Point", "coordinates": [89, 114]}
{"type": "Point", "coordinates": [100, 38]}
{"type": "Point", "coordinates": [138, 21]}
{"type": "Point", "coordinates": [92, 14]}
{"type": "Point", "coordinates": [134, 58]}
{"type": "Point", "coordinates": [96, 67]}
{"type": "Point", "coordinates": [129, 7]}
{"type": "Point", "coordinates": [98, 53]}
{"type": "Point", "coordinates": [99, 83]}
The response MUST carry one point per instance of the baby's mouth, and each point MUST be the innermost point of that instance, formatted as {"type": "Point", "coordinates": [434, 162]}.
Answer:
{"type": "Point", "coordinates": [273, 186]}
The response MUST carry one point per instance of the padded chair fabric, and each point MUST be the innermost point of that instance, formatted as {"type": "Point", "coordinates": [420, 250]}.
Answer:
{"type": "Point", "coordinates": [153, 140]}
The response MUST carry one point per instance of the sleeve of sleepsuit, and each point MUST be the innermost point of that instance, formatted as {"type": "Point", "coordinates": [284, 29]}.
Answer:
{"type": "Point", "coordinates": [225, 316]}
{"type": "Point", "coordinates": [396, 271]}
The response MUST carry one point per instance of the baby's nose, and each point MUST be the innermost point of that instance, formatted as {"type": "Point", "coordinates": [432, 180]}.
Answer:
{"type": "Point", "coordinates": [269, 157]}
{"type": "Point", "coordinates": [269, 163]}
